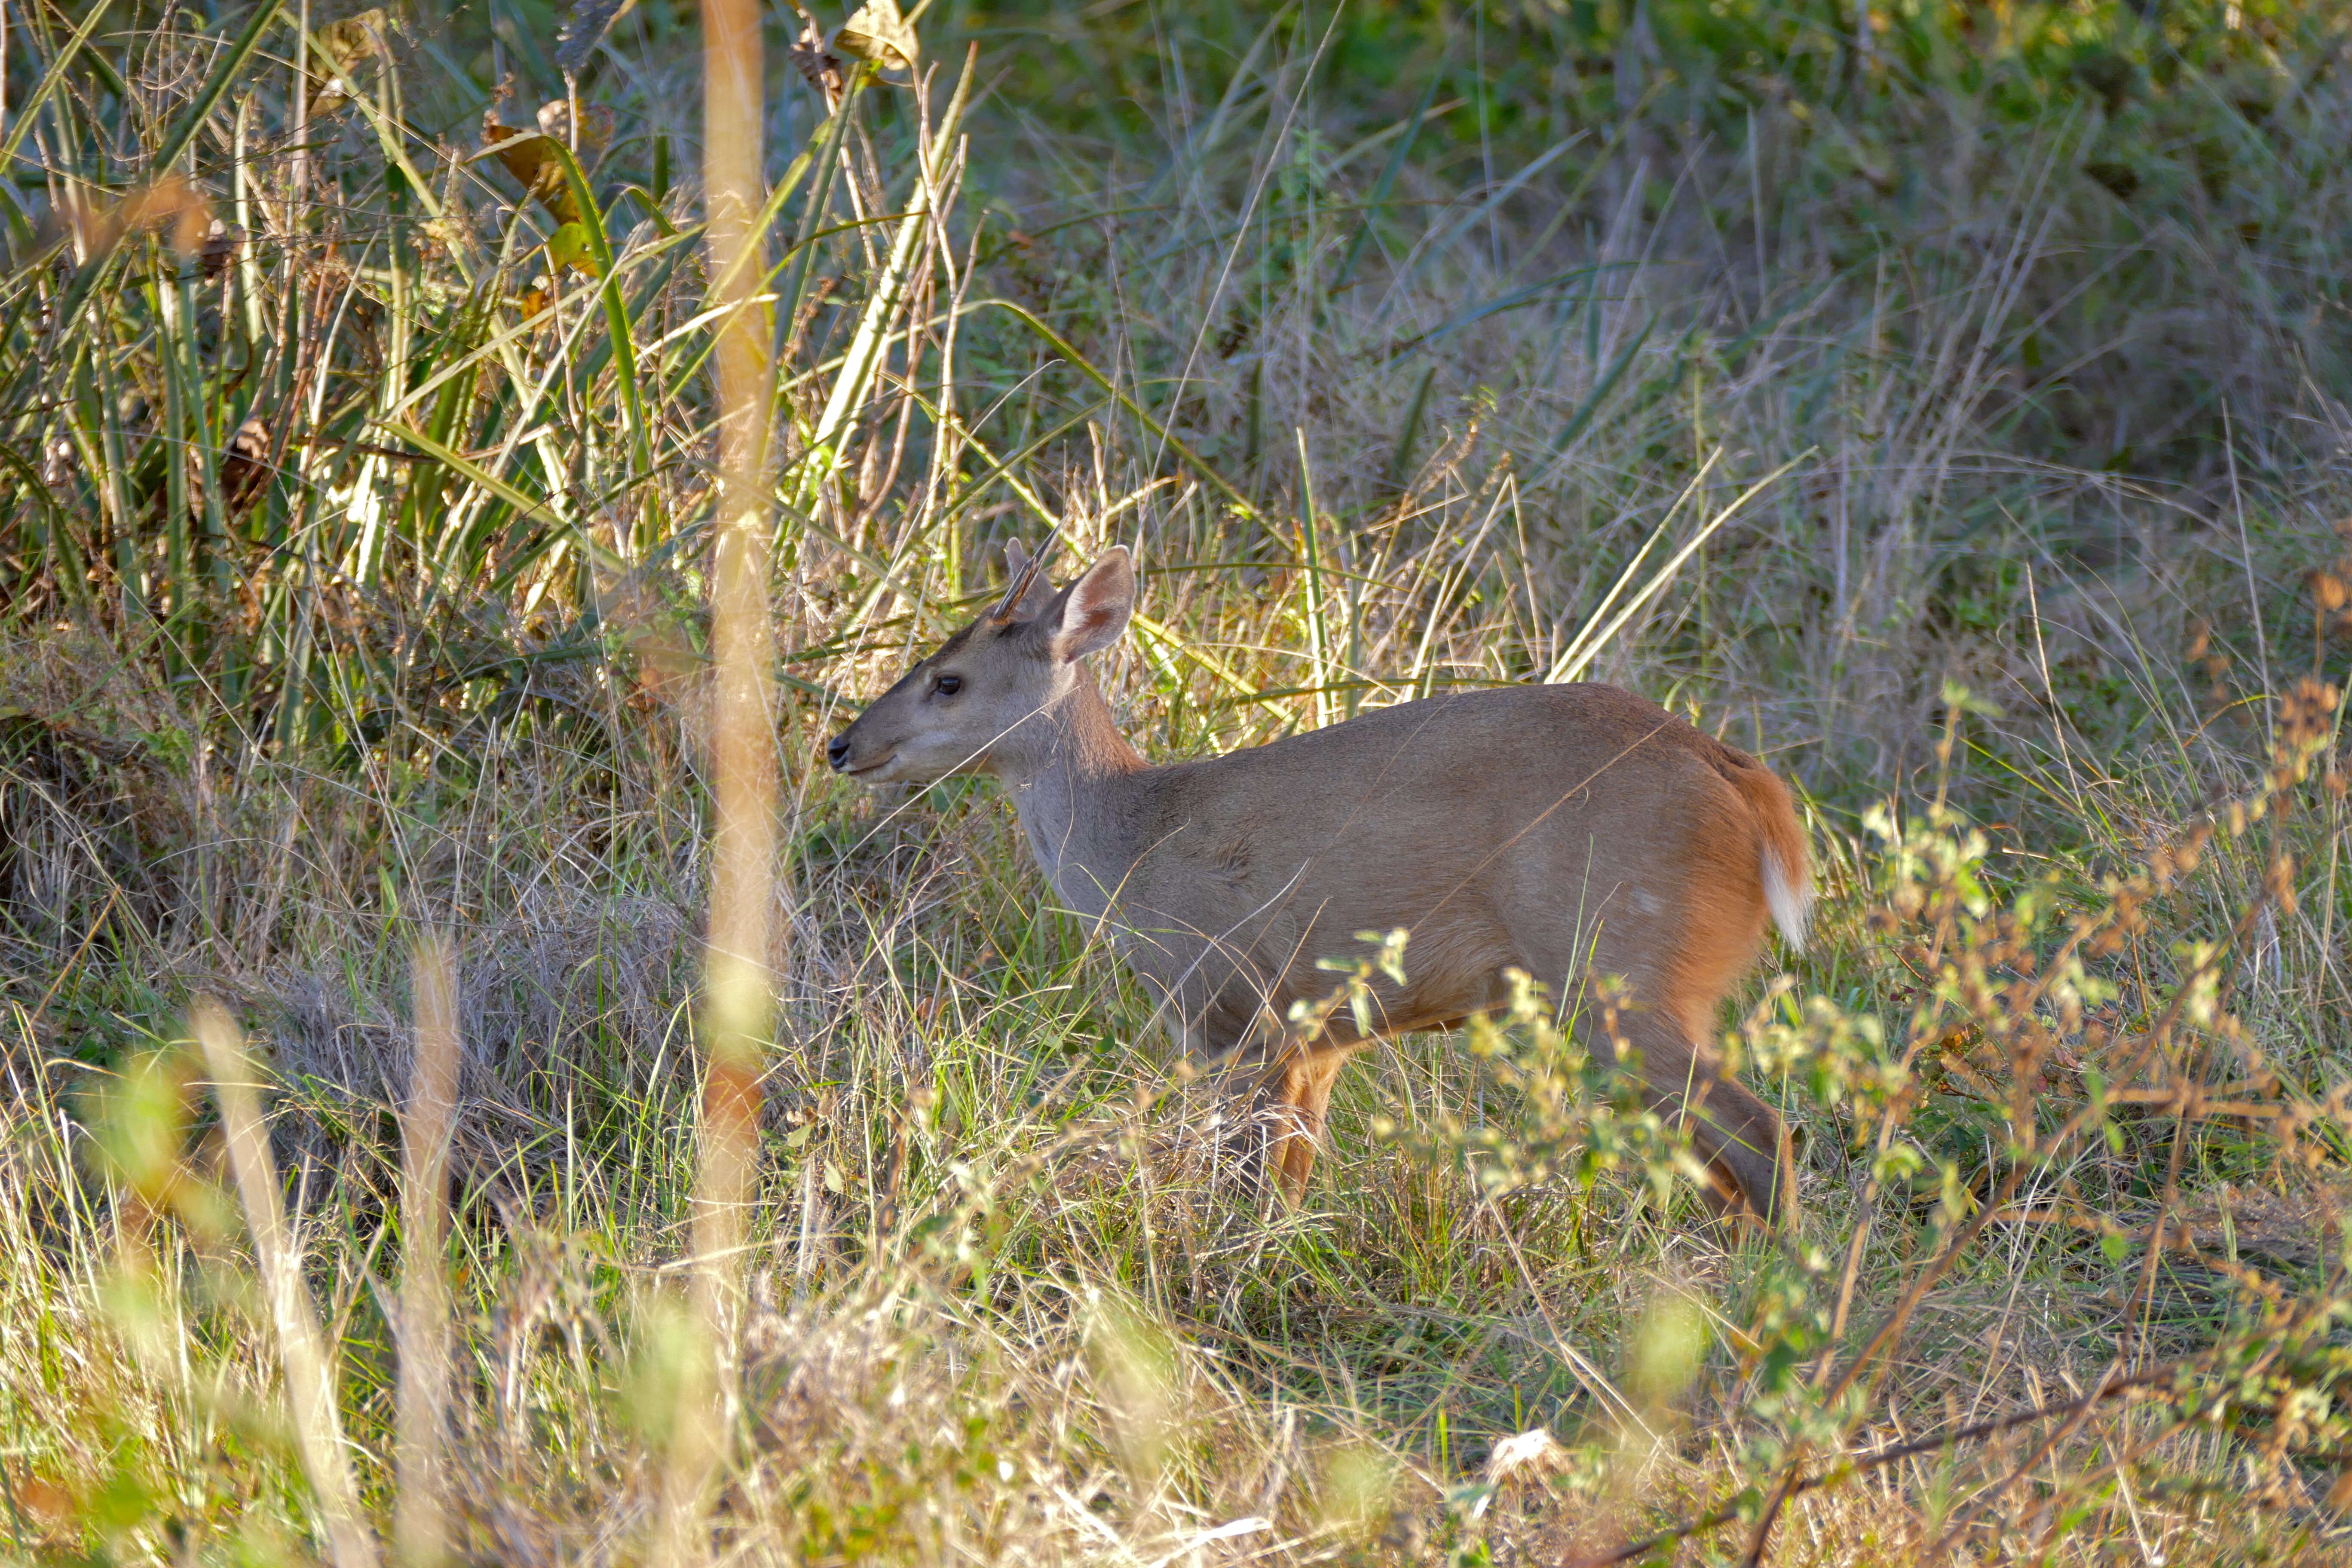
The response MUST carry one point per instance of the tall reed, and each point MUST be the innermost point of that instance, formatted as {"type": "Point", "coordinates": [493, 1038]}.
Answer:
{"type": "Point", "coordinates": [738, 976]}
{"type": "Point", "coordinates": [1951, 410]}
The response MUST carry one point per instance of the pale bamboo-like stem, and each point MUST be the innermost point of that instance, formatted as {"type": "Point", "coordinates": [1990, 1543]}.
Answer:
{"type": "Point", "coordinates": [737, 1008]}
{"type": "Point", "coordinates": [419, 1534]}
{"type": "Point", "coordinates": [309, 1386]}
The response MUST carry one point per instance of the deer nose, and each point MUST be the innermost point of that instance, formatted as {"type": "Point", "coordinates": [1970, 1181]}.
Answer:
{"type": "Point", "coordinates": [838, 753]}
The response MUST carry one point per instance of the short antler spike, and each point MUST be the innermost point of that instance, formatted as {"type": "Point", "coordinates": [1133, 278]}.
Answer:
{"type": "Point", "coordinates": [1023, 574]}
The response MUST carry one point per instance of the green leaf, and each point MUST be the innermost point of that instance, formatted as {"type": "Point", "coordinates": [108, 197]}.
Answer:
{"type": "Point", "coordinates": [570, 246]}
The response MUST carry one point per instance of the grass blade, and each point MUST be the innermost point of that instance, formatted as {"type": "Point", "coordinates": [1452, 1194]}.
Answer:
{"type": "Point", "coordinates": [1061, 345]}
{"type": "Point", "coordinates": [310, 1384]}
{"type": "Point", "coordinates": [419, 1530]}
{"type": "Point", "coordinates": [1387, 179]}
{"type": "Point", "coordinates": [225, 71]}
{"type": "Point", "coordinates": [856, 372]}
{"type": "Point", "coordinates": [1602, 389]}
{"type": "Point", "coordinates": [29, 113]}
{"type": "Point", "coordinates": [1589, 644]}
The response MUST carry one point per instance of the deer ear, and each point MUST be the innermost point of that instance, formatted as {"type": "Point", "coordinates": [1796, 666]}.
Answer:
{"type": "Point", "coordinates": [1092, 612]}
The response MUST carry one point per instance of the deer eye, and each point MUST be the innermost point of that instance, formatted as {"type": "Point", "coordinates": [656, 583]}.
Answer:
{"type": "Point", "coordinates": [949, 685]}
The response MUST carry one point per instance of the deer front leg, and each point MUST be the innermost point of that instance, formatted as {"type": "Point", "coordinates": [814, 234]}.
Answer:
{"type": "Point", "coordinates": [1279, 1088]}
{"type": "Point", "coordinates": [1301, 1104]}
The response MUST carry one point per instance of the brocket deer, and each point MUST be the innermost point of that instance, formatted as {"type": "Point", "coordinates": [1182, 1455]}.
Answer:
{"type": "Point", "coordinates": [1568, 831]}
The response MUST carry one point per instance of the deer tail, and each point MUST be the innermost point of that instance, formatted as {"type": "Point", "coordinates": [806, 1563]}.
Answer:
{"type": "Point", "coordinates": [1788, 878]}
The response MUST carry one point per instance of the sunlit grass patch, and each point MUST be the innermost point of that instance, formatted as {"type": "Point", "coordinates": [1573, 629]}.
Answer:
{"type": "Point", "coordinates": [1948, 412]}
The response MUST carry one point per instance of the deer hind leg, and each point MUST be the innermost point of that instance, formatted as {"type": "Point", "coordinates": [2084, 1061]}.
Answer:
{"type": "Point", "coordinates": [1737, 1137]}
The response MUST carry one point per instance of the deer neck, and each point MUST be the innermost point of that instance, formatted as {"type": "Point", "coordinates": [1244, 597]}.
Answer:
{"type": "Point", "coordinates": [1062, 776]}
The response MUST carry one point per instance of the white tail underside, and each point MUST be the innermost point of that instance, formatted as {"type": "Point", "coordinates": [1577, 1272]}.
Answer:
{"type": "Point", "coordinates": [1792, 907]}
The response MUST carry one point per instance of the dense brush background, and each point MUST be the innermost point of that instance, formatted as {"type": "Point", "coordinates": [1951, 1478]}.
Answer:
{"type": "Point", "coordinates": [354, 503]}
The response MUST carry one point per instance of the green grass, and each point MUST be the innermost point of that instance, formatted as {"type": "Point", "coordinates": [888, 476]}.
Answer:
{"type": "Point", "coordinates": [355, 561]}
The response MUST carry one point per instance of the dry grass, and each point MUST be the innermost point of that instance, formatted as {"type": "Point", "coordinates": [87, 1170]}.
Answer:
{"type": "Point", "coordinates": [359, 562]}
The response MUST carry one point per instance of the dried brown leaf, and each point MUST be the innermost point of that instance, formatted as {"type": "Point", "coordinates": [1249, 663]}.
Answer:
{"type": "Point", "coordinates": [877, 32]}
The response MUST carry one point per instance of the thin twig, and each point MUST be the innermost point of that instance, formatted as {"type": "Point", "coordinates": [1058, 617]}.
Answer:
{"type": "Point", "coordinates": [1883, 1457]}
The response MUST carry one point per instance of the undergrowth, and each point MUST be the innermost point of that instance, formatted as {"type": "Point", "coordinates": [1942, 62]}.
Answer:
{"type": "Point", "coordinates": [1945, 402]}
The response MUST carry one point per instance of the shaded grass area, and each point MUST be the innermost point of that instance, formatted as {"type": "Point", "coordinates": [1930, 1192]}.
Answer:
{"type": "Point", "coordinates": [1951, 412]}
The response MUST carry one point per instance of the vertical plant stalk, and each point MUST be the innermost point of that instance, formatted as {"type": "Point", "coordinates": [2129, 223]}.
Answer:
{"type": "Point", "coordinates": [419, 1536]}
{"type": "Point", "coordinates": [737, 1007]}
{"type": "Point", "coordinates": [310, 1387]}
{"type": "Point", "coordinates": [1310, 551]}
